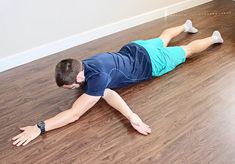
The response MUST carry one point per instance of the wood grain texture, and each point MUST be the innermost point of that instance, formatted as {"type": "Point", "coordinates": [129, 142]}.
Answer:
{"type": "Point", "coordinates": [191, 110]}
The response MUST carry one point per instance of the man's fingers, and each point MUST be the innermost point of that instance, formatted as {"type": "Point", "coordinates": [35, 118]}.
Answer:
{"type": "Point", "coordinates": [143, 132]}
{"type": "Point", "coordinates": [29, 139]}
{"type": "Point", "coordinates": [140, 130]}
{"type": "Point", "coordinates": [148, 130]}
{"type": "Point", "coordinates": [22, 141]}
{"type": "Point", "coordinates": [23, 128]}
{"type": "Point", "coordinates": [18, 136]}
{"type": "Point", "coordinates": [145, 124]}
{"type": "Point", "coordinates": [145, 128]}
{"type": "Point", "coordinates": [18, 140]}
{"type": "Point", "coordinates": [141, 127]}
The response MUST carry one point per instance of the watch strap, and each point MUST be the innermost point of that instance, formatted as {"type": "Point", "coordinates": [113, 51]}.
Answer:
{"type": "Point", "coordinates": [41, 126]}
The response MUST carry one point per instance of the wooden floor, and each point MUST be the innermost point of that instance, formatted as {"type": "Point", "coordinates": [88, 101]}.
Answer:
{"type": "Point", "coordinates": [191, 110]}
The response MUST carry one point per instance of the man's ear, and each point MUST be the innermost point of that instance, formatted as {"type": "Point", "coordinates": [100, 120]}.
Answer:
{"type": "Point", "coordinates": [79, 77]}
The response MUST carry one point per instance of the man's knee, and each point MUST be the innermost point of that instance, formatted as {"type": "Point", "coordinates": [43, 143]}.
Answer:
{"type": "Point", "coordinates": [165, 40]}
{"type": "Point", "coordinates": [187, 50]}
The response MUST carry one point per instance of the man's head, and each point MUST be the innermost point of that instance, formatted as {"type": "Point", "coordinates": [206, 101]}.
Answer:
{"type": "Point", "coordinates": [69, 73]}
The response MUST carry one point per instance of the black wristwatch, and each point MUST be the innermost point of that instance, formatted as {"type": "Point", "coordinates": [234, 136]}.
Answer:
{"type": "Point", "coordinates": [41, 126]}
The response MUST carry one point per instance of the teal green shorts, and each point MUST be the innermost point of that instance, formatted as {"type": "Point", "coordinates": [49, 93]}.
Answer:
{"type": "Point", "coordinates": [163, 59]}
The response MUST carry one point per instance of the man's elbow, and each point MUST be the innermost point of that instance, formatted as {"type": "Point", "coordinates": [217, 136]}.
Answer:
{"type": "Point", "coordinates": [74, 115]}
{"type": "Point", "coordinates": [77, 112]}
{"type": "Point", "coordinates": [107, 93]}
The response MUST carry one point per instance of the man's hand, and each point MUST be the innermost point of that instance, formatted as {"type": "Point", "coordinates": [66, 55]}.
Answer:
{"type": "Point", "coordinates": [137, 123]}
{"type": "Point", "coordinates": [29, 133]}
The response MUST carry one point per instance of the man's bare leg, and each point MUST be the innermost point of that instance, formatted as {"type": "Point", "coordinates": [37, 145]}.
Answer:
{"type": "Point", "coordinates": [202, 44]}
{"type": "Point", "coordinates": [170, 33]}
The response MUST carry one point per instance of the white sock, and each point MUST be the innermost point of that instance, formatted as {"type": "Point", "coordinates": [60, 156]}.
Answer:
{"type": "Point", "coordinates": [217, 38]}
{"type": "Point", "coordinates": [188, 27]}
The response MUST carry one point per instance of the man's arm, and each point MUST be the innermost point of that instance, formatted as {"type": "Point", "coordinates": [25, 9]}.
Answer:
{"type": "Point", "coordinates": [80, 106]}
{"type": "Point", "coordinates": [115, 100]}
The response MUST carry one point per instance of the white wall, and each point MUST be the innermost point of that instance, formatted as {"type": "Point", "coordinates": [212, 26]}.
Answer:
{"type": "Point", "coordinates": [29, 24]}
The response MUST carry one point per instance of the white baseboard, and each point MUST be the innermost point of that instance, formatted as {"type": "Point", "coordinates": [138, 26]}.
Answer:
{"type": "Point", "coordinates": [81, 38]}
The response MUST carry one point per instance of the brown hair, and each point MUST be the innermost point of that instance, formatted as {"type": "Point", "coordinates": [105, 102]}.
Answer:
{"type": "Point", "coordinates": [66, 71]}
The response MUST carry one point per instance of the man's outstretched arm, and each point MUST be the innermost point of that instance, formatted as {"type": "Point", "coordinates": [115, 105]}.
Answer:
{"type": "Point", "coordinates": [115, 100]}
{"type": "Point", "coordinates": [80, 106]}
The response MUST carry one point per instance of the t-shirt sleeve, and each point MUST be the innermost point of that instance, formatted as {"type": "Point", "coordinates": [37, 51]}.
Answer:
{"type": "Point", "coordinates": [96, 84]}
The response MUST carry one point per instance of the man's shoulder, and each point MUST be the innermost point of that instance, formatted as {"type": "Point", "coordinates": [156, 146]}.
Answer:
{"type": "Point", "coordinates": [96, 83]}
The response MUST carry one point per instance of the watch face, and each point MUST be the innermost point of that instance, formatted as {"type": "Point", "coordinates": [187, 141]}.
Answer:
{"type": "Point", "coordinates": [41, 123]}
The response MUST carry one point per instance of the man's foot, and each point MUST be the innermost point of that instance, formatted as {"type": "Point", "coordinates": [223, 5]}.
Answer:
{"type": "Point", "coordinates": [217, 38]}
{"type": "Point", "coordinates": [188, 27]}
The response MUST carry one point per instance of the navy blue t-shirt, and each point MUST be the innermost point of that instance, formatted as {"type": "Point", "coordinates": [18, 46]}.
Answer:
{"type": "Point", "coordinates": [116, 69]}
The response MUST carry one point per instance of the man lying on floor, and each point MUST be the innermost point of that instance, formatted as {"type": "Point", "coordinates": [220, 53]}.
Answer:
{"type": "Point", "coordinates": [137, 61]}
